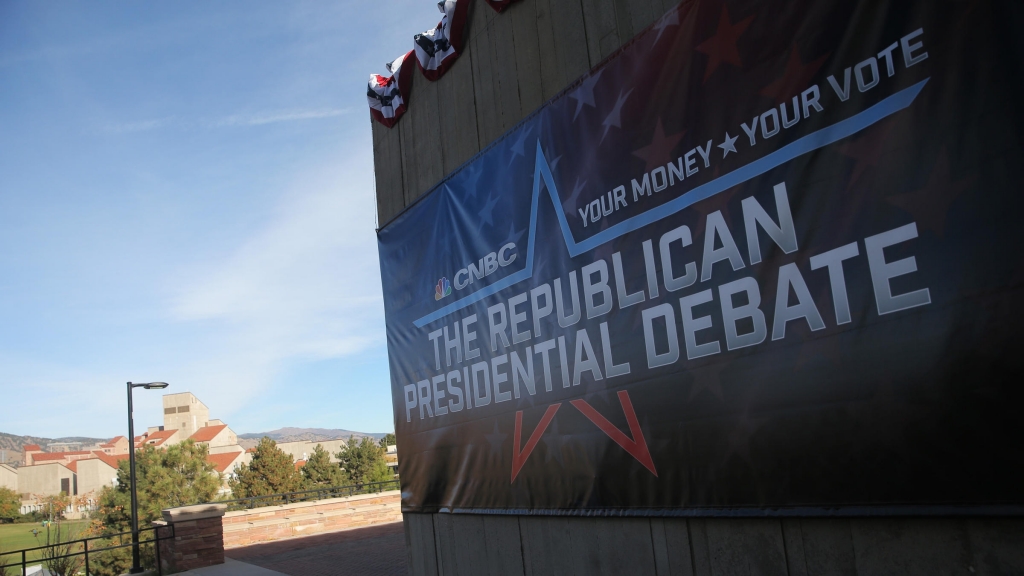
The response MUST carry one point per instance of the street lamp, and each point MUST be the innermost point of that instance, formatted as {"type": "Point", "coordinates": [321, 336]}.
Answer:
{"type": "Point", "coordinates": [136, 569]}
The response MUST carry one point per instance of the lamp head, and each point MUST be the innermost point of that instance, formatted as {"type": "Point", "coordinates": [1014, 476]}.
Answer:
{"type": "Point", "coordinates": [150, 385]}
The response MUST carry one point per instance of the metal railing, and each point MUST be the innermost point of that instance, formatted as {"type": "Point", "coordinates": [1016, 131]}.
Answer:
{"type": "Point", "coordinates": [160, 533]}
{"type": "Point", "coordinates": [307, 495]}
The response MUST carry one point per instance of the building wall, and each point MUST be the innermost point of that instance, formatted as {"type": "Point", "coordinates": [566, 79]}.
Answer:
{"type": "Point", "coordinates": [185, 413]}
{"type": "Point", "coordinates": [44, 479]}
{"type": "Point", "coordinates": [512, 64]}
{"type": "Point", "coordinates": [93, 475]}
{"type": "Point", "coordinates": [8, 477]}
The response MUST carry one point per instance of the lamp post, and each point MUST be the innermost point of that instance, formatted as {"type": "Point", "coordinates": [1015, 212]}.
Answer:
{"type": "Point", "coordinates": [136, 568]}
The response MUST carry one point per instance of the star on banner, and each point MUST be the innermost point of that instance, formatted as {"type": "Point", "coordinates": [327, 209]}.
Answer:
{"type": "Point", "coordinates": [585, 94]}
{"type": "Point", "coordinates": [517, 149]}
{"type": "Point", "coordinates": [614, 117]}
{"type": "Point", "coordinates": [796, 77]}
{"type": "Point", "coordinates": [670, 19]}
{"type": "Point", "coordinates": [729, 145]}
{"type": "Point", "coordinates": [930, 204]}
{"type": "Point", "coordinates": [659, 151]}
{"type": "Point", "coordinates": [722, 46]}
{"type": "Point", "coordinates": [496, 439]}
{"type": "Point", "coordinates": [570, 203]}
{"type": "Point", "coordinates": [486, 213]}
{"type": "Point", "coordinates": [513, 236]}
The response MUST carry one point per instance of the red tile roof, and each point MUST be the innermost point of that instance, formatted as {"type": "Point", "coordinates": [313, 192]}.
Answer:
{"type": "Point", "coordinates": [299, 464]}
{"type": "Point", "coordinates": [116, 438]}
{"type": "Point", "coordinates": [32, 447]}
{"type": "Point", "coordinates": [207, 433]}
{"type": "Point", "coordinates": [73, 466]}
{"type": "Point", "coordinates": [223, 461]}
{"type": "Point", "coordinates": [50, 456]}
{"type": "Point", "coordinates": [110, 460]}
{"type": "Point", "coordinates": [159, 437]}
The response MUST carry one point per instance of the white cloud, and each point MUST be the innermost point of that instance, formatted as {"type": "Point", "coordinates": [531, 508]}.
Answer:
{"type": "Point", "coordinates": [306, 287]}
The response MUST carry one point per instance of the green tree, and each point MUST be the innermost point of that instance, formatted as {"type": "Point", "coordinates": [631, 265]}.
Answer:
{"type": "Point", "coordinates": [178, 476]}
{"type": "Point", "coordinates": [320, 472]}
{"type": "Point", "coordinates": [364, 461]}
{"type": "Point", "coordinates": [388, 440]}
{"type": "Point", "coordinates": [271, 471]}
{"type": "Point", "coordinates": [10, 504]}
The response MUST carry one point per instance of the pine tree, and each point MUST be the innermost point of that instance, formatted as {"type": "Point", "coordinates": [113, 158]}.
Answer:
{"type": "Point", "coordinates": [364, 461]}
{"type": "Point", "coordinates": [389, 439]}
{"type": "Point", "coordinates": [270, 472]}
{"type": "Point", "coordinates": [319, 471]}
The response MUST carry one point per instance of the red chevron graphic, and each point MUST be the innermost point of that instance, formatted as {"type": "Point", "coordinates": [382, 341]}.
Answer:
{"type": "Point", "coordinates": [637, 446]}
{"type": "Point", "coordinates": [519, 458]}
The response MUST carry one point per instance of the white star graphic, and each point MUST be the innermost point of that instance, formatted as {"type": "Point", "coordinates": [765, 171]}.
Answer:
{"type": "Point", "coordinates": [615, 116]}
{"type": "Point", "coordinates": [485, 212]}
{"type": "Point", "coordinates": [670, 19]}
{"type": "Point", "coordinates": [729, 145]}
{"type": "Point", "coordinates": [570, 202]}
{"type": "Point", "coordinates": [585, 94]}
{"type": "Point", "coordinates": [518, 148]}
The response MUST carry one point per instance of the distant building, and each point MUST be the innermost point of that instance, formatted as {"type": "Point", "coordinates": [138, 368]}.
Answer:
{"type": "Point", "coordinates": [185, 413]}
{"type": "Point", "coordinates": [46, 479]}
{"type": "Point", "coordinates": [30, 451]}
{"type": "Point", "coordinates": [9, 477]}
{"type": "Point", "coordinates": [118, 445]}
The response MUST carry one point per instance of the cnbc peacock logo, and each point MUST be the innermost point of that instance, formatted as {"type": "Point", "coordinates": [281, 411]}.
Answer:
{"type": "Point", "coordinates": [442, 289]}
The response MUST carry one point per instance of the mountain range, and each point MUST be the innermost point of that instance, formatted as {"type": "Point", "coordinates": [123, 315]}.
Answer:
{"type": "Point", "coordinates": [299, 434]}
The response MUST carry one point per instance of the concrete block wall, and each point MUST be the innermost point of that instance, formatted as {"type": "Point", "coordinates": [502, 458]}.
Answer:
{"type": "Point", "coordinates": [448, 544]}
{"type": "Point", "coordinates": [245, 527]}
{"type": "Point", "coordinates": [512, 64]}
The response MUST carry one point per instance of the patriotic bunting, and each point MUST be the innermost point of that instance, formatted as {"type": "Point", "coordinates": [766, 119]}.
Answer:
{"type": "Point", "coordinates": [499, 5]}
{"type": "Point", "coordinates": [387, 95]}
{"type": "Point", "coordinates": [436, 49]}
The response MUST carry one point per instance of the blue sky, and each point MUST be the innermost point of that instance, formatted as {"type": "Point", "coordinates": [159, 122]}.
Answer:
{"type": "Point", "coordinates": [186, 194]}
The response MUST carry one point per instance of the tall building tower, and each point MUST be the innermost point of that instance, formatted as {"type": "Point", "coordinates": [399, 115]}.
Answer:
{"type": "Point", "coordinates": [185, 413]}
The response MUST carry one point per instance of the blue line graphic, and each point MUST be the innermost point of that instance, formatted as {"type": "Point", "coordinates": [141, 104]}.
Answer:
{"type": "Point", "coordinates": [542, 172]}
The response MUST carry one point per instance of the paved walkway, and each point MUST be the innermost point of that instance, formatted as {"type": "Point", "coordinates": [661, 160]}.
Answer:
{"type": "Point", "coordinates": [372, 551]}
{"type": "Point", "coordinates": [231, 568]}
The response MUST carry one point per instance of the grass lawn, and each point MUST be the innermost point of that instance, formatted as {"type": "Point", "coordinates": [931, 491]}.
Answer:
{"type": "Point", "coordinates": [19, 536]}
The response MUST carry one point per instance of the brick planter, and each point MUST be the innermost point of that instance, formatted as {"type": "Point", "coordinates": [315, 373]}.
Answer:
{"type": "Point", "coordinates": [198, 537]}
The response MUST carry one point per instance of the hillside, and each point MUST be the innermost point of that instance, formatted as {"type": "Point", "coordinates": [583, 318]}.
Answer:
{"type": "Point", "coordinates": [298, 434]}
{"type": "Point", "coordinates": [11, 444]}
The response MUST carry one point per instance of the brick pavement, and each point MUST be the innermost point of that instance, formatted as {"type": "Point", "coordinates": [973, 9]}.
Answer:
{"type": "Point", "coordinates": [373, 551]}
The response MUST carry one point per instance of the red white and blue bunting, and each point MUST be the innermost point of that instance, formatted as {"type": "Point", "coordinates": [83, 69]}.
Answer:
{"type": "Point", "coordinates": [388, 95]}
{"type": "Point", "coordinates": [436, 49]}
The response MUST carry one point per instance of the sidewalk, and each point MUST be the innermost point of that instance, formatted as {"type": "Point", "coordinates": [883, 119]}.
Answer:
{"type": "Point", "coordinates": [372, 551]}
{"type": "Point", "coordinates": [231, 568]}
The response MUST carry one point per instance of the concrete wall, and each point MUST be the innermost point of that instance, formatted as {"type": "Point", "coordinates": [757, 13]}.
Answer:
{"type": "Point", "coordinates": [93, 475]}
{"type": "Point", "coordinates": [185, 413]}
{"type": "Point", "coordinates": [512, 64]}
{"type": "Point", "coordinates": [44, 479]}
{"type": "Point", "coordinates": [8, 477]}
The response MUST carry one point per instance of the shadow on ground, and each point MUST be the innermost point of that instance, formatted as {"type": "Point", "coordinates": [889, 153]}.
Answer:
{"type": "Point", "coordinates": [372, 551]}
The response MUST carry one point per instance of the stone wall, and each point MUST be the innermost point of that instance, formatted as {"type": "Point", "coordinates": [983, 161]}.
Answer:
{"type": "Point", "coordinates": [245, 527]}
{"type": "Point", "coordinates": [198, 537]}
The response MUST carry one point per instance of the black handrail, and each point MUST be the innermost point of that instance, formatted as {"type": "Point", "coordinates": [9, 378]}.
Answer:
{"type": "Point", "coordinates": [168, 535]}
{"type": "Point", "coordinates": [307, 495]}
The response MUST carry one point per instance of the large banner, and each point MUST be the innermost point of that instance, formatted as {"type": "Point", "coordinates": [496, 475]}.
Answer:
{"type": "Point", "coordinates": [767, 259]}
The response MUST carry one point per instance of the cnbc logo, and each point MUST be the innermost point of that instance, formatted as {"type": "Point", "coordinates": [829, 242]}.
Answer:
{"type": "Point", "coordinates": [477, 270]}
{"type": "Point", "coordinates": [442, 289]}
